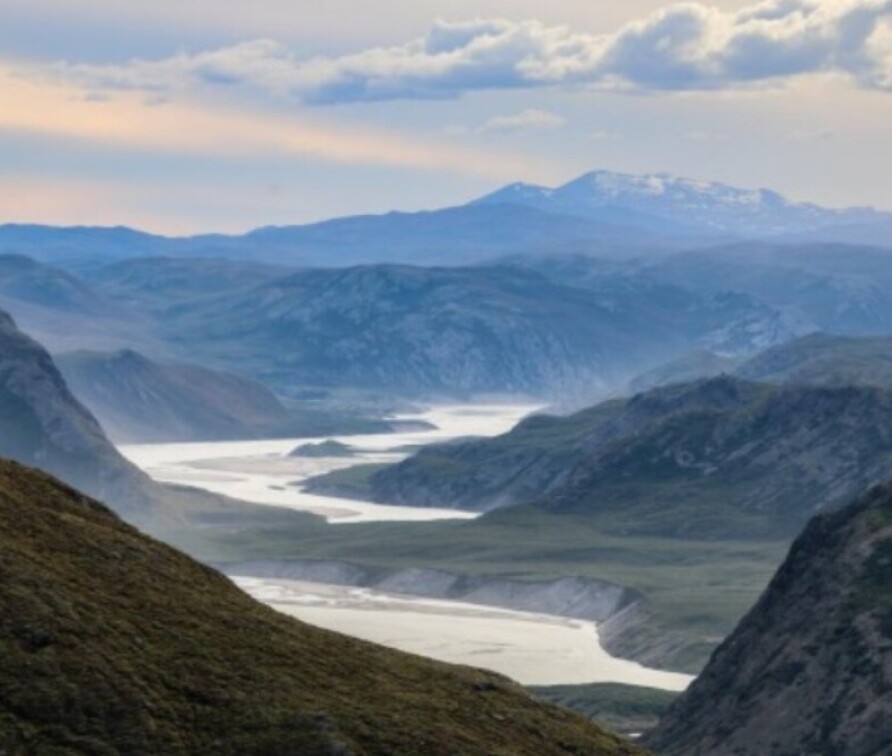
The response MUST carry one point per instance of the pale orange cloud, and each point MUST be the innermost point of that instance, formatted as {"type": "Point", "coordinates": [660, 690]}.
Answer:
{"type": "Point", "coordinates": [127, 120]}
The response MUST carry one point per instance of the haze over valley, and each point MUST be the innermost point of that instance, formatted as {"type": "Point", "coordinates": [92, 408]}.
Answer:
{"type": "Point", "coordinates": [512, 378]}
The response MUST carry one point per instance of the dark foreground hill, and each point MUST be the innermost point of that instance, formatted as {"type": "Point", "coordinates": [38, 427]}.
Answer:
{"type": "Point", "coordinates": [809, 669]}
{"type": "Point", "coordinates": [717, 458]}
{"type": "Point", "coordinates": [114, 643]}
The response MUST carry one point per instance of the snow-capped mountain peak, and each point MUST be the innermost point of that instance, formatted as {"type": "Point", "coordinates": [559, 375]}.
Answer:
{"type": "Point", "coordinates": [708, 207]}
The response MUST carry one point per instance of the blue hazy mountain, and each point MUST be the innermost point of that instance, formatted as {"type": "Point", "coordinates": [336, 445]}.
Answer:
{"type": "Point", "coordinates": [452, 236]}
{"type": "Point", "coordinates": [459, 331]}
{"type": "Point", "coordinates": [602, 213]}
{"type": "Point", "coordinates": [670, 204]}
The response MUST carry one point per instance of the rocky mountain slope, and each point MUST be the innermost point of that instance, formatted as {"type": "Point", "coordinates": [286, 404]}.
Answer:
{"type": "Point", "coordinates": [65, 312]}
{"type": "Point", "coordinates": [828, 287]}
{"type": "Point", "coordinates": [42, 424]}
{"type": "Point", "coordinates": [818, 359]}
{"type": "Point", "coordinates": [114, 643]}
{"type": "Point", "coordinates": [723, 457]}
{"type": "Point", "coordinates": [809, 669]}
{"type": "Point", "coordinates": [825, 360]}
{"type": "Point", "coordinates": [455, 330]}
{"type": "Point", "coordinates": [139, 400]}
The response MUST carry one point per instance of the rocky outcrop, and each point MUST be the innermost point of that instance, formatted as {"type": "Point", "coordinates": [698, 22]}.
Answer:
{"type": "Point", "coordinates": [809, 669]}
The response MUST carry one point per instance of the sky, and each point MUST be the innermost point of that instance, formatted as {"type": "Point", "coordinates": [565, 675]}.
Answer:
{"type": "Point", "coordinates": [188, 116]}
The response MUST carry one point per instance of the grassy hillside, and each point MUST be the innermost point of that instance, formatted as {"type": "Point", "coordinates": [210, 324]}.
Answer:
{"type": "Point", "coordinates": [623, 708]}
{"type": "Point", "coordinates": [114, 643]}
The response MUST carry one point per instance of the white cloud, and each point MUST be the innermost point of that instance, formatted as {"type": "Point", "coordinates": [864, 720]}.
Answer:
{"type": "Point", "coordinates": [684, 47]}
{"type": "Point", "coordinates": [525, 121]}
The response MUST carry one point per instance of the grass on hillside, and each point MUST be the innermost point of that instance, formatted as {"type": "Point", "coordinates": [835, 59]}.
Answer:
{"type": "Point", "coordinates": [114, 643]}
{"type": "Point", "coordinates": [627, 709]}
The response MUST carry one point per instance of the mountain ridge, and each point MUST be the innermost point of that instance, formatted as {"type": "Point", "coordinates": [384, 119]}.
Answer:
{"type": "Point", "coordinates": [698, 207]}
{"type": "Point", "coordinates": [603, 212]}
{"type": "Point", "coordinates": [719, 458]}
{"type": "Point", "coordinates": [809, 669]}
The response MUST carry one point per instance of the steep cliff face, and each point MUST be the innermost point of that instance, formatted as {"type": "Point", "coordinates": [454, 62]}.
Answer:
{"type": "Point", "coordinates": [809, 669]}
{"type": "Point", "coordinates": [722, 457]}
{"type": "Point", "coordinates": [43, 425]}
{"type": "Point", "coordinates": [114, 643]}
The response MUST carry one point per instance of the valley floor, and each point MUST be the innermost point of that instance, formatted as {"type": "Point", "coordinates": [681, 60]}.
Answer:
{"type": "Point", "coordinates": [533, 649]}
{"type": "Point", "coordinates": [693, 592]}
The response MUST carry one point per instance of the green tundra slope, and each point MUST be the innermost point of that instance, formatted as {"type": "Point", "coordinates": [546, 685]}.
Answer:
{"type": "Point", "coordinates": [113, 643]}
{"type": "Point", "coordinates": [723, 458]}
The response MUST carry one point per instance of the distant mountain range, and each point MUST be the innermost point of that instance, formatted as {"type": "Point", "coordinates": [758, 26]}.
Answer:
{"type": "Point", "coordinates": [672, 205]}
{"type": "Point", "coordinates": [569, 328]}
{"type": "Point", "coordinates": [522, 307]}
{"type": "Point", "coordinates": [602, 213]}
{"type": "Point", "coordinates": [809, 669]}
{"type": "Point", "coordinates": [460, 331]}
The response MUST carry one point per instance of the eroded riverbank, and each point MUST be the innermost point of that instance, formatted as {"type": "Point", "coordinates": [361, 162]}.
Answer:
{"type": "Point", "coordinates": [532, 648]}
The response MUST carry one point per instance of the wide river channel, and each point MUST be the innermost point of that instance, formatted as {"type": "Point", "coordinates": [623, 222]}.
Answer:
{"type": "Point", "coordinates": [534, 649]}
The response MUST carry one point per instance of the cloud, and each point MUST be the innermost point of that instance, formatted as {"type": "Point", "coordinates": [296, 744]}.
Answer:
{"type": "Point", "coordinates": [525, 121]}
{"type": "Point", "coordinates": [685, 47]}
{"type": "Point", "coordinates": [136, 121]}
{"type": "Point", "coordinates": [699, 135]}
{"type": "Point", "coordinates": [810, 135]}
